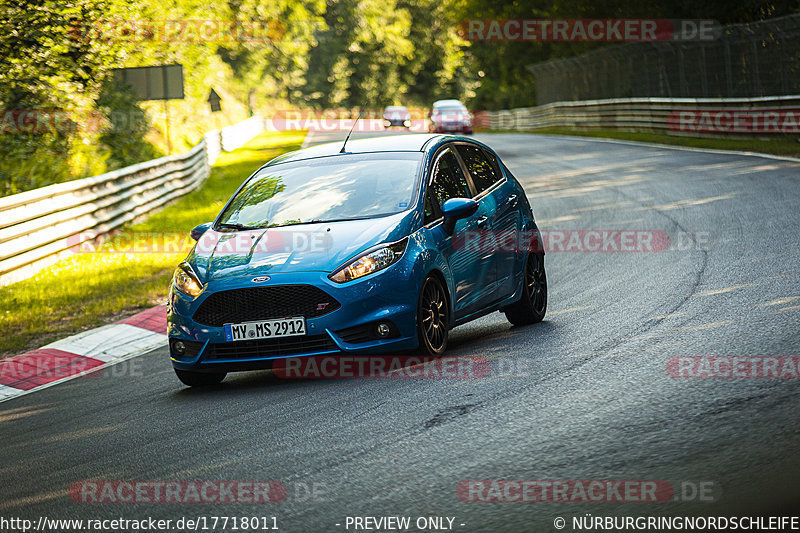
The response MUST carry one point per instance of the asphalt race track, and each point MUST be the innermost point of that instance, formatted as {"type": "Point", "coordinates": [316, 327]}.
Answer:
{"type": "Point", "coordinates": [584, 395]}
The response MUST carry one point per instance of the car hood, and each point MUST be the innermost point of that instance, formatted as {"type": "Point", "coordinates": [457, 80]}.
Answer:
{"type": "Point", "coordinates": [301, 248]}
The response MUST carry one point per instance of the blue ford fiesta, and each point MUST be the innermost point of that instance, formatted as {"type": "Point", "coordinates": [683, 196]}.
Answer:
{"type": "Point", "coordinates": [379, 246]}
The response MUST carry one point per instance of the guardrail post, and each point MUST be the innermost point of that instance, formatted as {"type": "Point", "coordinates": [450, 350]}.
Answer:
{"type": "Point", "coordinates": [728, 70]}
{"type": "Point", "coordinates": [756, 74]}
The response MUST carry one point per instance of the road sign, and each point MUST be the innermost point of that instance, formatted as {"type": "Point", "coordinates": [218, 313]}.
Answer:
{"type": "Point", "coordinates": [213, 101]}
{"type": "Point", "coordinates": [158, 82]}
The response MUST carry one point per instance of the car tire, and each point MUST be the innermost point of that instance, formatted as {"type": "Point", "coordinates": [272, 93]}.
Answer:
{"type": "Point", "coordinates": [433, 317]}
{"type": "Point", "coordinates": [200, 379]}
{"type": "Point", "coordinates": [532, 307]}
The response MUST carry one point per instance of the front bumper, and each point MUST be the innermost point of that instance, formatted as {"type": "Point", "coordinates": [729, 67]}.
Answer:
{"type": "Point", "coordinates": [459, 127]}
{"type": "Point", "coordinates": [386, 296]}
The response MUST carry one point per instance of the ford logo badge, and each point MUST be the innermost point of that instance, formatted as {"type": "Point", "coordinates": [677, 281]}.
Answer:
{"type": "Point", "coordinates": [260, 279]}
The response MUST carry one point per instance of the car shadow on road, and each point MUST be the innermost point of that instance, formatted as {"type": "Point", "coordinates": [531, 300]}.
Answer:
{"type": "Point", "coordinates": [475, 340]}
{"type": "Point", "coordinates": [479, 335]}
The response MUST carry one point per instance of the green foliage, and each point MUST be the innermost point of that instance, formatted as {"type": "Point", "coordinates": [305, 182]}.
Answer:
{"type": "Point", "coordinates": [28, 161]}
{"type": "Point", "coordinates": [383, 52]}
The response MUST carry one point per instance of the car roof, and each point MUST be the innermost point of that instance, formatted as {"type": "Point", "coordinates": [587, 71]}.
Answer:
{"type": "Point", "coordinates": [398, 107]}
{"type": "Point", "coordinates": [439, 103]}
{"type": "Point", "coordinates": [416, 142]}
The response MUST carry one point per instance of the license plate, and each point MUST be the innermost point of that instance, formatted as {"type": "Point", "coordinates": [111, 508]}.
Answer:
{"type": "Point", "coordinates": [266, 329]}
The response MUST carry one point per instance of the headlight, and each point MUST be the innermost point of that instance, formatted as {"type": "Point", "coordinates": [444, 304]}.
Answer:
{"type": "Point", "coordinates": [387, 122]}
{"type": "Point", "coordinates": [407, 123]}
{"type": "Point", "coordinates": [370, 262]}
{"type": "Point", "coordinates": [186, 281]}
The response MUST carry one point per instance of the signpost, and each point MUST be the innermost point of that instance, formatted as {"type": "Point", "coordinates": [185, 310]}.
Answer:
{"type": "Point", "coordinates": [158, 82]}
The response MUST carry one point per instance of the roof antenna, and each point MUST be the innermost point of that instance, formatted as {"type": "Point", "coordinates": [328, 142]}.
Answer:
{"type": "Point", "coordinates": [351, 130]}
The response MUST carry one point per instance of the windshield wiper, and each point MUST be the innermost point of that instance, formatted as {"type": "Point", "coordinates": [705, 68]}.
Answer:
{"type": "Point", "coordinates": [318, 221]}
{"type": "Point", "coordinates": [315, 221]}
{"type": "Point", "coordinates": [237, 227]}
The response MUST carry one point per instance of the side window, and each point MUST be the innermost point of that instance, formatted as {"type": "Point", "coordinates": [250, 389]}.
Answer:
{"type": "Point", "coordinates": [481, 170]}
{"type": "Point", "coordinates": [430, 211]}
{"type": "Point", "coordinates": [448, 179]}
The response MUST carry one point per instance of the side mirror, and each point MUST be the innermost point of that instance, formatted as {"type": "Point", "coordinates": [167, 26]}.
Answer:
{"type": "Point", "coordinates": [455, 209]}
{"type": "Point", "coordinates": [198, 231]}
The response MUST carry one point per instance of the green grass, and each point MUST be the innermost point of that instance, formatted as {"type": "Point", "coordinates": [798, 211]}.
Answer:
{"type": "Point", "coordinates": [88, 290]}
{"type": "Point", "coordinates": [784, 145]}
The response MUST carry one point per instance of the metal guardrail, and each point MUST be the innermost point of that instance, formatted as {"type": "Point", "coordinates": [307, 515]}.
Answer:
{"type": "Point", "coordinates": [659, 115]}
{"type": "Point", "coordinates": [238, 135]}
{"type": "Point", "coordinates": [39, 227]}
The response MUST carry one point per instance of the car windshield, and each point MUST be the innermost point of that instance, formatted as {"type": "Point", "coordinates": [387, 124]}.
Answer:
{"type": "Point", "coordinates": [326, 189]}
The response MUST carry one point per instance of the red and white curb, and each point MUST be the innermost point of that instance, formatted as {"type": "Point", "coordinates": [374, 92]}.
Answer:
{"type": "Point", "coordinates": [86, 352]}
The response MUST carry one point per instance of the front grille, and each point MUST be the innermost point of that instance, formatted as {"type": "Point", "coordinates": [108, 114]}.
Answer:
{"type": "Point", "coordinates": [260, 303]}
{"type": "Point", "coordinates": [270, 347]}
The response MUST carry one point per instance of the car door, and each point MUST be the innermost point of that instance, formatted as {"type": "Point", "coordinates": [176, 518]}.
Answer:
{"type": "Point", "coordinates": [470, 264]}
{"type": "Point", "coordinates": [499, 201]}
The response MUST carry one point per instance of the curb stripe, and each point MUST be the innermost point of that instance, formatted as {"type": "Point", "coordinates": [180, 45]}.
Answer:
{"type": "Point", "coordinates": [86, 352]}
{"type": "Point", "coordinates": [39, 367]}
{"type": "Point", "coordinates": [154, 319]}
{"type": "Point", "coordinates": [108, 343]}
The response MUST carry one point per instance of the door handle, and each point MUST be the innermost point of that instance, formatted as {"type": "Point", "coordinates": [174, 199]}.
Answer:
{"type": "Point", "coordinates": [512, 200]}
{"type": "Point", "coordinates": [481, 221]}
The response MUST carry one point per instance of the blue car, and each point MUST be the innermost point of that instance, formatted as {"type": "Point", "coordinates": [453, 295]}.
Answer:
{"type": "Point", "coordinates": [377, 246]}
